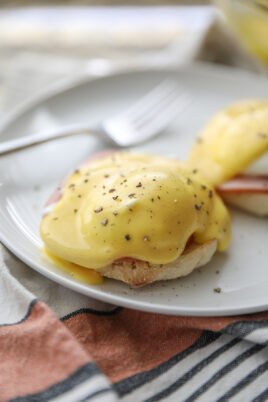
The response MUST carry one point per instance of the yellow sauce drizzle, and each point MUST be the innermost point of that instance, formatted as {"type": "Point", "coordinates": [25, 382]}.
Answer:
{"type": "Point", "coordinates": [86, 275]}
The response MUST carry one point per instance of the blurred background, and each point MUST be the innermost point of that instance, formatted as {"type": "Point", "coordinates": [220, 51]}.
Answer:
{"type": "Point", "coordinates": [45, 41]}
{"type": "Point", "coordinates": [97, 2]}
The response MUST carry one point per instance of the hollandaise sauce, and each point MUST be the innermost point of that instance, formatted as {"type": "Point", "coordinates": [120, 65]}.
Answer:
{"type": "Point", "coordinates": [232, 140]}
{"type": "Point", "coordinates": [129, 205]}
{"type": "Point", "coordinates": [90, 276]}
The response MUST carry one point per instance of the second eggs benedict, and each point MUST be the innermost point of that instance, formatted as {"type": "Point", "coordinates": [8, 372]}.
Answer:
{"type": "Point", "coordinates": [136, 218]}
{"type": "Point", "coordinates": [232, 153]}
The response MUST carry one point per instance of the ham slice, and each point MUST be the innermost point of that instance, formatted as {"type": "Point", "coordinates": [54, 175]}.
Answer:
{"type": "Point", "coordinates": [249, 193]}
{"type": "Point", "coordinates": [245, 184]}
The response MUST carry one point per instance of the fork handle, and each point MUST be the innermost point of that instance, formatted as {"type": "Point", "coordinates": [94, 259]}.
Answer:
{"type": "Point", "coordinates": [7, 147]}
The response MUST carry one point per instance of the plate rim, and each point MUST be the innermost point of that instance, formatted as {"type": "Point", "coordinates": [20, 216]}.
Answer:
{"type": "Point", "coordinates": [90, 290]}
{"type": "Point", "coordinates": [68, 83]}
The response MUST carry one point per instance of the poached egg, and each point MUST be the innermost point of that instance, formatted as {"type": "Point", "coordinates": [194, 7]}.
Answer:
{"type": "Point", "coordinates": [124, 205]}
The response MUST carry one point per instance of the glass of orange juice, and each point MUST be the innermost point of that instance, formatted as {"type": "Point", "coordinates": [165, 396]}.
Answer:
{"type": "Point", "coordinates": [249, 20]}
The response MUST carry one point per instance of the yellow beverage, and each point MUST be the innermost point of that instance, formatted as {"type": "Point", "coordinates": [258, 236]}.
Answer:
{"type": "Point", "coordinates": [249, 19]}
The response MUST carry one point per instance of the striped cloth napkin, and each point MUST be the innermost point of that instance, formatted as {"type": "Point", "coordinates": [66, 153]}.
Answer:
{"type": "Point", "coordinates": [90, 351]}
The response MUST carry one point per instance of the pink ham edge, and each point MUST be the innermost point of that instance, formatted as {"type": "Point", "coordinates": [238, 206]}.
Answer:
{"type": "Point", "coordinates": [244, 184]}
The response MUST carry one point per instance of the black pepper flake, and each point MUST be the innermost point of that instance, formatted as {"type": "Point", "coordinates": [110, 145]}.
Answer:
{"type": "Point", "coordinates": [112, 190]}
{"type": "Point", "coordinates": [262, 135]}
{"type": "Point", "coordinates": [195, 195]}
{"type": "Point", "coordinates": [72, 185]}
{"type": "Point", "coordinates": [132, 195]}
{"type": "Point", "coordinates": [152, 199]}
{"type": "Point", "coordinates": [77, 171]}
{"type": "Point", "coordinates": [198, 207]}
{"type": "Point", "coordinates": [55, 219]}
{"type": "Point", "coordinates": [158, 197]}
{"type": "Point", "coordinates": [115, 197]}
{"type": "Point", "coordinates": [75, 211]}
{"type": "Point", "coordinates": [86, 181]}
{"type": "Point", "coordinates": [194, 171]}
{"type": "Point", "coordinates": [79, 196]}
{"type": "Point", "coordinates": [189, 181]}
{"type": "Point", "coordinates": [98, 210]}
{"type": "Point", "coordinates": [203, 187]}
{"type": "Point", "coordinates": [139, 184]}
{"type": "Point", "coordinates": [154, 179]}
{"type": "Point", "coordinates": [146, 238]}
{"type": "Point", "coordinates": [217, 290]}
{"type": "Point", "coordinates": [115, 213]}
{"type": "Point", "coordinates": [127, 237]}
{"type": "Point", "coordinates": [106, 176]}
{"type": "Point", "coordinates": [104, 222]}
{"type": "Point", "coordinates": [210, 193]}
{"type": "Point", "coordinates": [130, 210]}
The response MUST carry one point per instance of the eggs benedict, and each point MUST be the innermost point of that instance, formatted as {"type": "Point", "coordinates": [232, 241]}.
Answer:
{"type": "Point", "coordinates": [136, 218]}
{"type": "Point", "coordinates": [232, 154]}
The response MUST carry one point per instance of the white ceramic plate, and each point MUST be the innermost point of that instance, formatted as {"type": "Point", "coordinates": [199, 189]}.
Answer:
{"type": "Point", "coordinates": [28, 177]}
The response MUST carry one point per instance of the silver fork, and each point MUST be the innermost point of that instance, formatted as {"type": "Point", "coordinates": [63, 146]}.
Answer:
{"type": "Point", "coordinates": [145, 119]}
